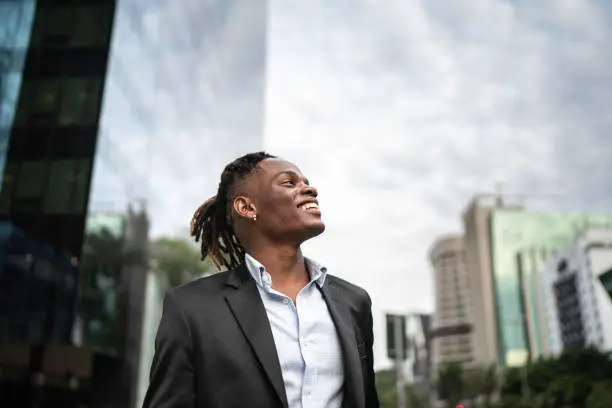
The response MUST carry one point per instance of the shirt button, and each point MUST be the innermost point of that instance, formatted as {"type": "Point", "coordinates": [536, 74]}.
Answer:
{"type": "Point", "coordinates": [286, 301]}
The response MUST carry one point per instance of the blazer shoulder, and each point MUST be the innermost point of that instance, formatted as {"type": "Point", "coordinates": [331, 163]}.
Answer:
{"type": "Point", "coordinates": [349, 289]}
{"type": "Point", "coordinates": [203, 288]}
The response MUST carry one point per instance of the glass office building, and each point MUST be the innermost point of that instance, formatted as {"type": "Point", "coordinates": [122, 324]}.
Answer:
{"type": "Point", "coordinates": [521, 242]}
{"type": "Point", "coordinates": [116, 117]}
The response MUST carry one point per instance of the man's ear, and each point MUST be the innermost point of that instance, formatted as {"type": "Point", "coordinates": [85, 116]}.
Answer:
{"type": "Point", "coordinates": [244, 207]}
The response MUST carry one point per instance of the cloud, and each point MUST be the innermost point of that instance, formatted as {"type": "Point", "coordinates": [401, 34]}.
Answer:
{"type": "Point", "coordinates": [399, 112]}
{"type": "Point", "coordinates": [184, 96]}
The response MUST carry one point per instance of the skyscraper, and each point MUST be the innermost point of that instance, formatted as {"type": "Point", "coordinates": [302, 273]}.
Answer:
{"type": "Point", "coordinates": [521, 241]}
{"type": "Point", "coordinates": [451, 326]}
{"type": "Point", "coordinates": [505, 249]}
{"type": "Point", "coordinates": [477, 224]}
{"type": "Point", "coordinates": [578, 308]}
{"type": "Point", "coordinates": [105, 103]}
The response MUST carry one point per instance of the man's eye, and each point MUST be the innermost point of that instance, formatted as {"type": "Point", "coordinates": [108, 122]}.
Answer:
{"type": "Point", "coordinates": [288, 182]}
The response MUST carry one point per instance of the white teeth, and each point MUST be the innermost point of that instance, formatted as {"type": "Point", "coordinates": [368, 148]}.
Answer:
{"type": "Point", "coordinates": [308, 206]}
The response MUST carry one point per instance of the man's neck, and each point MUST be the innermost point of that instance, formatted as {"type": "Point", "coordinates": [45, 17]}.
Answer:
{"type": "Point", "coordinates": [285, 264]}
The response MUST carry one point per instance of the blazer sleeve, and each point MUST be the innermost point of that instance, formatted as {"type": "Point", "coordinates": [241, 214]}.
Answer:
{"type": "Point", "coordinates": [371, 393]}
{"type": "Point", "coordinates": [171, 382]}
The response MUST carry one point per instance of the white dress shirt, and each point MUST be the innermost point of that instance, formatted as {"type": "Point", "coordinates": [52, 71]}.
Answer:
{"type": "Point", "coordinates": [306, 339]}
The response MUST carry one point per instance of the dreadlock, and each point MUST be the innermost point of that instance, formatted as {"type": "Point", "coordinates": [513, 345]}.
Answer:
{"type": "Point", "coordinates": [212, 223]}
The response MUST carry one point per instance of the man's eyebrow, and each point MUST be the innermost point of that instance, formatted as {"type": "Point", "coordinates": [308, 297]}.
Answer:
{"type": "Point", "coordinates": [291, 173]}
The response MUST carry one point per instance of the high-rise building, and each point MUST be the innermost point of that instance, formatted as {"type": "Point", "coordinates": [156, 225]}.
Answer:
{"type": "Point", "coordinates": [451, 326]}
{"type": "Point", "coordinates": [521, 241]}
{"type": "Point", "coordinates": [477, 224]}
{"type": "Point", "coordinates": [105, 103]}
{"type": "Point", "coordinates": [505, 248]}
{"type": "Point", "coordinates": [578, 308]}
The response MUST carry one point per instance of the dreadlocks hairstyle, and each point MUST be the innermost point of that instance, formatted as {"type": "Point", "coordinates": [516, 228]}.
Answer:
{"type": "Point", "coordinates": [212, 223]}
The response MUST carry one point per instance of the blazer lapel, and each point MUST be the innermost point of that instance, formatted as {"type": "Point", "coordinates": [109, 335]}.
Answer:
{"type": "Point", "coordinates": [354, 393]}
{"type": "Point", "coordinates": [248, 309]}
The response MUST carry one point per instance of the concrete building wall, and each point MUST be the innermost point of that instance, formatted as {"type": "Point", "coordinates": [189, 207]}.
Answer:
{"type": "Point", "coordinates": [447, 257]}
{"type": "Point", "coordinates": [476, 219]}
{"type": "Point", "coordinates": [588, 257]}
{"type": "Point", "coordinates": [595, 247]}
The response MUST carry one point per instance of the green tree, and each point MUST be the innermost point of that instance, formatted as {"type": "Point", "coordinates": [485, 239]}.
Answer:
{"type": "Point", "coordinates": [490, 384]}
{"type": "Point", "coordinates": [480, 382]}
{"type": "Point", "coordinates": [386, 386]}
{"type": "Point", "coordinates": [179, 260]}
{"type": "Point", "coordinates": [451, 386]}
{"type": "Point", "coordinates": [566, 381]}
{"type": "Point", "coordinates": [600, 396]}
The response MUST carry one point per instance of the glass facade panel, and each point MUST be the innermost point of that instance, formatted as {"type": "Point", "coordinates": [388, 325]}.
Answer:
{"type": "Point", "coordinates": [80, 101]}
{"type": "Point", "coordinates": [53, 25]}
{"type": "Point", "coordinates": [31, 180]}
{"type": "Point", "coordinates": [66, 186]}
{"type": "Point", "coordinates": [73, 25]}
{"type": "Point", "coordinates": [514, 232]}
{"type": "Point", "coordinates": [39, 102]}
{"type": "Point", "coordinates": [68, 102]}
{"type": "Point", "coordinates": [11, 171]}
{"type": "Point", "coordinates": [49, 122]}
{"type": "Point", "coordinates": [16, 19]}
{"type": "Point", "coordinates": [92, 25]}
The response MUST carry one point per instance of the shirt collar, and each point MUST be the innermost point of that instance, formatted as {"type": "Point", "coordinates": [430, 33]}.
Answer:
{"type": "Point", "coordinates": [262, 278]}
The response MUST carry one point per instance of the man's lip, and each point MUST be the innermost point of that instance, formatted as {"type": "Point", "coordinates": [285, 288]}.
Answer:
{"type": "Point", "coordinates": [315, 201]}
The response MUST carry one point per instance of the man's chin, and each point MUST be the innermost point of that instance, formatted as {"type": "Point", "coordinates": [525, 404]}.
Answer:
{"type": "Point", "coordinates": [313, 230]}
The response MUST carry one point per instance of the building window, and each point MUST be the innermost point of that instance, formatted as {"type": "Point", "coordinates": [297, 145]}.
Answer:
{"type": "Point", "coordinates": [67, 187]}
{"type": "Point", "coordinates": [53, 26]}
{"type": "Point", "coordinates": [39, 101]}
{"type": "Point", "coordinates": [93, 25]}
{"type": "Point", "coordinates": [74, 101]}
{"type": "Point", "coordinates": [77, 26]}
{"type": "Point", "coordinates": [8, 185]}
{"type": "Point", "coordinates": [80, 101]}
{"type": "Point", "coordinates": [31, 180]}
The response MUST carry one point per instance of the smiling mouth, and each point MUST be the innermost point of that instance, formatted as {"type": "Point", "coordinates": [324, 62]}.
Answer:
{"type": "Point", "coordinates": [310, 208]}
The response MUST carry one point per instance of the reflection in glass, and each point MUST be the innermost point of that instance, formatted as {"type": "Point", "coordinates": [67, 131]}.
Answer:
{"type": "Point", "coordinates": [37, 286]}
{"type": "Point", "coordinates": [97, 325]}
{"type": "Point", "coordinates": [80, 97]}
{"type": "Point", "coordinates": [83, 25]}
{"type": "Point", "coordinates": [16, 19]}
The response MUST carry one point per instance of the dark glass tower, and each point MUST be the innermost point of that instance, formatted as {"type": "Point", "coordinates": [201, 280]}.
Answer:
{"type": "Point", "coordinates": [54, 62]}
{"type": "Point", "coordinates": [107, 106]}
{"type": "Point", "coordinates": [49, 157]}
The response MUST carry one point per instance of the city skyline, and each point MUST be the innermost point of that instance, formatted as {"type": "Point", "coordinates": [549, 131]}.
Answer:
{"type": "Point", "coordinates": [401, 114]}
{"type": "Point", "coordinates": [397, 113]}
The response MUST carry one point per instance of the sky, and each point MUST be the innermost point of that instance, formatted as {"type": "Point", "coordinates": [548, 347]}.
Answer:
{"type": "Point", "coordinates": [400, 111]}
{"type": "Point", "coordinates": [397, 111]}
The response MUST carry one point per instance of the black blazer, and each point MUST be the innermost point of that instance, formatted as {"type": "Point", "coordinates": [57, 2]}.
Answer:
{"type": "Point", "coordinates": [214, 346]}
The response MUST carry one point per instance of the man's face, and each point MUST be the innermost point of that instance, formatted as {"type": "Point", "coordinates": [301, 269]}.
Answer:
{"type": "Point", "coordinates": [285, 204]}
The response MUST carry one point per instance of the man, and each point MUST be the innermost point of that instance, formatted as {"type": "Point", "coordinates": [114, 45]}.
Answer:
{"type": "Point", "coordinates": [275, 329]}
